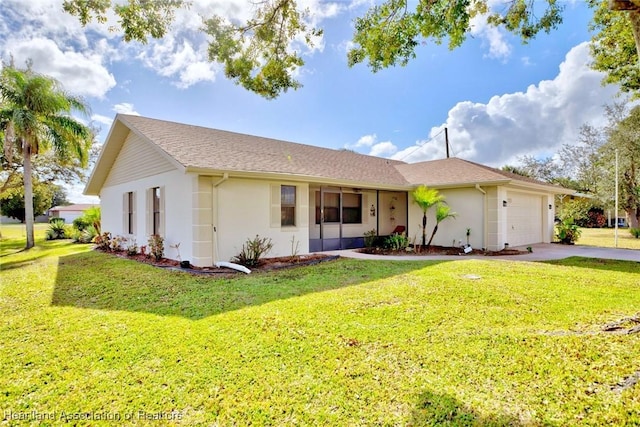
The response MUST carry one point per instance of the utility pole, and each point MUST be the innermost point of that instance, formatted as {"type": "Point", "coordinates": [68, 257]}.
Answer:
{"type": "Point", "coordinates": [616, 228]}
{"type": "Point", "coordinates": [446, 140]}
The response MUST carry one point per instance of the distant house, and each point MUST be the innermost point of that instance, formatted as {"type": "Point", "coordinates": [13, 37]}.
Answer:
{"type": "Point", "coordinates": [70, 212]}
{"type": "Point", "coordinates": [211, 190]}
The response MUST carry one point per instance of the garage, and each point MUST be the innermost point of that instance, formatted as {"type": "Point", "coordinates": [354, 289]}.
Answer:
{"type": "Point", "coordinates": [524, 218]}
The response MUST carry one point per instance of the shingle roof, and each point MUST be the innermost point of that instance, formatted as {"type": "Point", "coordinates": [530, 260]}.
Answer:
{"type": "Point", "coordinates": [455, 171]}
{"type": "Point", "coordinates": [76, 207]}
{"type": "Point", "coordinates": [203, 148]}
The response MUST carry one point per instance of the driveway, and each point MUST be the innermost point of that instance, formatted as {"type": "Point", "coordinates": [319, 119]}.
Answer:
{"type": "Point", "coordinates": [541, 252]}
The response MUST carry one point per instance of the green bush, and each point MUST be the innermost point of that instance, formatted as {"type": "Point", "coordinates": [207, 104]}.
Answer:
{"type": "Point", "coordinates": [567, 232]}
{"type": "Point", "coordinates": [370, 238]}
{"type": "Point", "coordinates": [396, 242]}
{"type": "Point", "coordinates": [253, 250]}
{"type": "Point", "coordinates": [635, 232]}
{"type": "Point", "coordinates": [81, 223]}
{"type": "Point", "coordinates": [56, 230]}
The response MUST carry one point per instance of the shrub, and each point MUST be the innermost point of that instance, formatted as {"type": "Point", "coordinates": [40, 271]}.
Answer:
{"type": "Point", "coordinates": [370, 238]}
{"type": "Point", "coordinates": [156, 246]}
{"type": "Point", "coordinates": [81, 223]}
{"type": "Point", "coordinates": [253, 250]}
{"type": "Point", "coordinates": [56, 230]}
{"type": "Point", "coordinates": [103, 241]}
{"type": "Point", "coordinates": [635, 232]}
{"type": "Point", "coordinates": [132, 247]}
{"type": "Point", "coordinates": [595, 219]}
{"type": "Point", "coordinates": [396, 242]}
{"type": "Point", "coordinates": [567, 232]}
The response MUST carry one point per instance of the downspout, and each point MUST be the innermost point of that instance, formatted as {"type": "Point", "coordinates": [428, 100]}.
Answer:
{"type": "Point", "coordinates": [225, 177]}
{"type": "Point", "coordinates": [484, 216]}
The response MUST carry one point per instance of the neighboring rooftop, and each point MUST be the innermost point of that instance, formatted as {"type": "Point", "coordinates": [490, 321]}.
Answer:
{"type": "Point", "coordinates": [76, 207]}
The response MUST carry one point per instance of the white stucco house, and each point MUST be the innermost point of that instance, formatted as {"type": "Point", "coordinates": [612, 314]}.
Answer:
{"type": "Point", "coordinates": [211, 190]}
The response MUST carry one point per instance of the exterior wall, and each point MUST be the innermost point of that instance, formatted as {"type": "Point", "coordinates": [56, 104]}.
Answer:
{"type": "Point", "coordinates": [136, 160]}
{"type": "Point", "coordinates": [68, 216]}
{"type": "Point", "coordinates": [470, 206]}
{"type": "Point", "coordinates": [177, 211]}
{"type": "Point", "coordinates": [246, 208]}
{"type": "Point", "coordinates": [496, 218]}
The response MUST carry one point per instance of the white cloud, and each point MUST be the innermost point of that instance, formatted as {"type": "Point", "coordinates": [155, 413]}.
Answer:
{"type": "Point", "coordinates": [535, 122]}
{"type": "Point", "coordinates": [102, 119]}
{"type": "Point", "coordinates": [80, 73]}
{"type": "Point", "coordinates": [366, 141]}
{"type": "Point", "coordinates": [125, 108]}
{"type": "Point", "coordinates": [383, 149]}
{"type": "Point", "coordinates": [499, 48]}
{"type": "Point", "coordinates": [379, 149]}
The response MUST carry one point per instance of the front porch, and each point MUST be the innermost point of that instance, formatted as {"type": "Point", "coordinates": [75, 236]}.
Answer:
{"type": "Point", "coordinates": [339, 217]}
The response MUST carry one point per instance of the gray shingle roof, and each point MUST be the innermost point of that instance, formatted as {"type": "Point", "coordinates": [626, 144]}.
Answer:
{"type": "Point", "coordinates": [454, 171]}
{"type": "Point", "coordinates": [204, 148]}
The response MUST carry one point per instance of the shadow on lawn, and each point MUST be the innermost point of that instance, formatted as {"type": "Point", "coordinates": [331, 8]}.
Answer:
{"type": "Point", "coordinates": [99, 281]}
{"type": "Point", "coordinates": [442, 410]}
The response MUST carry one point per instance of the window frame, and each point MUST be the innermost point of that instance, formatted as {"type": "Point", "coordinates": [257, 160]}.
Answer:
{"type": "Point", "coordinates": [287, 208]}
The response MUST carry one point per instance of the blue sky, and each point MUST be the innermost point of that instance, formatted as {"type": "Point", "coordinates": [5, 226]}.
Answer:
{"type": "Point", "coordinates": [500, 99]}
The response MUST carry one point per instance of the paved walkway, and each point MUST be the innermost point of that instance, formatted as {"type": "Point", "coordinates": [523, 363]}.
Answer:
{"type": "Point", "coordinates": [541, 252]}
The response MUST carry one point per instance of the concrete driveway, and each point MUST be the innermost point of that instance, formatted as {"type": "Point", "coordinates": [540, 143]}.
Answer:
{"type": "Point", "coordinates": [541, 252]}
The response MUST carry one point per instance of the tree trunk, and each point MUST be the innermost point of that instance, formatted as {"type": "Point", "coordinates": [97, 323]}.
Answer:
{"type": "Point", "coordinates": [433, 233]}
{"type": "Point", "coordinates": [28, 194]}
{"type": "Point", "coordinates": [424, 228]}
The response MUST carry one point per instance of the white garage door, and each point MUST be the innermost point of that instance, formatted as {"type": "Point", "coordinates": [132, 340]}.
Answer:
{"type": "Point", "coordinates": [524, 219]}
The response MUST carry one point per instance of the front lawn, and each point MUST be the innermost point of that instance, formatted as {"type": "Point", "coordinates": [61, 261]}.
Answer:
{"type": "Point", "coordinates": [604, 238]}
{"type": "Point", "coordinates": [349, 342]}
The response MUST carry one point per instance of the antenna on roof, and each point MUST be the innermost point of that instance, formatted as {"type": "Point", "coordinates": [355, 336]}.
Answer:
{"type": "Point", "coordinates": [446, 140]}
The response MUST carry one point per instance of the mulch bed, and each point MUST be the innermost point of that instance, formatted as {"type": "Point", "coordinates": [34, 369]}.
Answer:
{"type": "Point", "coordinates": [441, 250]}
{"type": "Point", "coordinates": [266, 264]}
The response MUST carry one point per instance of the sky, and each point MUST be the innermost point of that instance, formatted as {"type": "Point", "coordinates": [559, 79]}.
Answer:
{"type": "Point", "coordinates": [499, 99]}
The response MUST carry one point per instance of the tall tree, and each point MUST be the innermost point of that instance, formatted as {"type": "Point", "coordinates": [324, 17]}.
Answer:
{"type": "Point", "coordinates": [614, 45]}
{"type": "Point", "coordinates": [425, 198]}
{"type": "Point", "coordinates": [12, 200]}
{"type": "Point", "coordinates": [625, 139]}
{"type": "Point", "coordinates": [35, 116]}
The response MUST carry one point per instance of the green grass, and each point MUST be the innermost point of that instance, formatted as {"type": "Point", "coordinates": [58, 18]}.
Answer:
{"type": "Point", "coordinates": [604, 237]}
{"type": "Point", "coordinates": [348, 342]}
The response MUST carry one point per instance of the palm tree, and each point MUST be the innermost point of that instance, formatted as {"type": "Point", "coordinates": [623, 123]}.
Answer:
{"type": "Point", "coordinates": [443, 211]}
{"type": "Point", "coordinates": [35, 116]}
{"type": "Point", "coordinates": [425, 198]}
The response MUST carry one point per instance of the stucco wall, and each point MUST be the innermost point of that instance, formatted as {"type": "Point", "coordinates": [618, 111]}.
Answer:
{"type": "Point", "coordinates": [469, 205]}
{"type": "Point", "coordinates": [177, 210]}
{"type": "Point", "coordinates": [245, 208]}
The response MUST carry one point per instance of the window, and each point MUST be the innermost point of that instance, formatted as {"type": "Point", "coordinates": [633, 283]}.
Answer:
{"type": "Point", "coordinates": [287, 205]}
{"type": "Point", "coordinates": [331, 207]}
{"type": "Point", "coordinates": [351, 208]}
{"type": "Point", "coordinates": [129, 210]}
{"type": "Point", "coordinates": [155, 195]}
